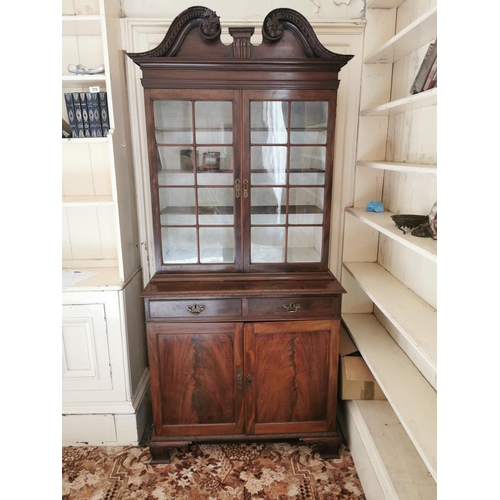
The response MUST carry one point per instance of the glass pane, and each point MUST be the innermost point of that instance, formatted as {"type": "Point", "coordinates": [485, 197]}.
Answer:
{"type": "Point", "coordinates": [268, 205]}
{"type": "Point", "coordinates": [308, 122]}
{"type": "Point", "coordinates": [177, 206]}
{"type": "Point", "coordinates": [304, 244]}
{"type": "Point", "coordinates": [268, 165]}
{"type": "Point", "coordinates": [307, 165]}
{"type": "Point", "coordinates": [214, 122]}
{"type": "Point", "coordinates": [175, 166]}
{"type": "Point", "coordinates": [269, 122]}
{"type": "Point", "coordinates": [173, 122]}
{"type": "Point", "coordinates": [268, 244]}
{"type": "Point", "coordinates": [219, 172]}
{"type": "Point", "coordinates": [216, 206]}
{"type": "Point", "coordinates": [306, 206]}
{"type": "Point", "coordinates": [216, 244]}
{"type": "Point", "coordinates": [179, 245]}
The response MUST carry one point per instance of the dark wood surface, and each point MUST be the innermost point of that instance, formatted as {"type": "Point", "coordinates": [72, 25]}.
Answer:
{"type": "Point", "coordinates": [242, 351]}
{"type": "Point", "coordinates": [194, 370]}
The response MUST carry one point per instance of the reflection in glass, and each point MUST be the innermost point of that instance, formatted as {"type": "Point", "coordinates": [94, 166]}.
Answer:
{"type": "Point", "coordinates": [216, 244]}
{"type": "Point", "coordinates": [216, 206]}
{"type": "Point", "coordinates": [307, 165]}
{"type": "Point", "coordinates": [268, 165]}
{"type": "Point", "coordinates": [308, 122]}
{"type": "Point", "coordinates": [179, 245]}
{"type": "Point", "coordinates": [268, 205]}
{"type": "Point", "coordinates": [304, 244]}
{"type": "Point", "coordinates": [268, 244]}
{"type": "Point", "coordinates": [214, 122]}
{"type": "Point", "coordinates": [173, 122]}
{"type": "Point", "coordinates": [268, 122]}
{"type": "Point", "coordinates": [177, 206]}
{"type": "Point", "coordinates": [175, 166]}
{"type": "Point", "coordinates": [306, 206]}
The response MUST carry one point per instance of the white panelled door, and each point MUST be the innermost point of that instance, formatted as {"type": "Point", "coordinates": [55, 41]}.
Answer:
{"type": "Point", "coordinates": [85, 350]}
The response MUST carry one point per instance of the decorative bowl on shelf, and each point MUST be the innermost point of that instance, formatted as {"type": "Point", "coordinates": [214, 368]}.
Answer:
{"type": "Point", "coordinates": [408, 222]}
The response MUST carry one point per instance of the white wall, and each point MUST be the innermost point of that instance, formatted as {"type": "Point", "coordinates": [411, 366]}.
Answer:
{"type": "Point", "coordinates": [245, 10]}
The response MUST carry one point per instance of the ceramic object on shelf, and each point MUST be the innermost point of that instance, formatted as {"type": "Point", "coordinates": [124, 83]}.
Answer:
{"type": "Point", "coordinates": [80, 69]}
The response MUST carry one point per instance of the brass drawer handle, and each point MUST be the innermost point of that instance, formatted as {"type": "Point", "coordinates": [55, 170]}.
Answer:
{"type": "Point", "coordinates": [291, 308]}
{"type": "Point", "coordinates": [196, 309]}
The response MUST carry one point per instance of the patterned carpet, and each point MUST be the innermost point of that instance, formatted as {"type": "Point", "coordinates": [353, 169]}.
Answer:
{"type": "Point", "coordinates": [243, 471]}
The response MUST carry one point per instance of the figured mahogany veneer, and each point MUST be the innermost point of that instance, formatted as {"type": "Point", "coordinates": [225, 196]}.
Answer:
{"type": "Point", "coordinates": [243, 350]}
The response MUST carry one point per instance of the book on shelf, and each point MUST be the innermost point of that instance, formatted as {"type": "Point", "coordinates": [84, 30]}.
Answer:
{"type": "Point", "coordinates": [70, 109]}
{"type": "Point", "coordinates": [92, 99]}
{"type": "Point", "coordinates": [431, 81]}
{"type": "Point", "coordinates": [66, 130]}
{"type": "Point", "coordinates": [103, 106]}
{"type": "Point", "coordinates": [425, 68]}
{"type": "Point", "coordinates": [85, 115]}
{"type": "Point", "coordinates": [78, 114]}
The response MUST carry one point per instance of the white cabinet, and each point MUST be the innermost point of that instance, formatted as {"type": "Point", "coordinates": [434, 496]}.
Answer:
{"type": "Point", "coordinates": [104, 362]}
{"type": "Point", "coordinates": [391, 307]}
{"type": "Point", "coordinates": [105, 388]}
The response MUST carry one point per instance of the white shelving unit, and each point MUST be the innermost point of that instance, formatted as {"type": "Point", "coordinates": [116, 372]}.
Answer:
{"type": "Point", "coordinates": [390, 309]}
{"type": "Point", "coordinates": [105, 373]}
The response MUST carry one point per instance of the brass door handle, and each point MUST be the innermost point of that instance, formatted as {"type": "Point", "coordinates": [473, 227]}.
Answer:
{"type": "Point", "coordinates": [195, 309]}
{"type": "Point", "coordinates": [245, 188]}
{"type": "Point", "coordinates": [237, 187]}
{"type": "Point", "coordinates": [291, 308]}
{"type": "Point", "coordinates": [249, 381]}
{"type": "Point", "coordinates": [239, 381]}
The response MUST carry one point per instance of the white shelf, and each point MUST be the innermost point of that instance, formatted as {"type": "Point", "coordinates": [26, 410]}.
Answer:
{"type": "Point", "coordinates": [106, 278]}
{"type": "Point", "coordinates": [412, 398]}
{"type": "Point", "coordinates": [409, 103]}
{"type": "Point", "coordinates": [81, 140]}
{"type": "Point", "coordinates": [416, 34]}
{"type": "Point", "coordinates": [414, 319]}
{"type": "Point", "coordinates": [378, 440]}
{"type": "Point", "coordinates": [419, 168]}
{"type": "Point", "coordinates": [71, 201]}
{"type": "Point", "coordinates": [83, 78]}
{"type": "Point", "coordinates": [383, 223]}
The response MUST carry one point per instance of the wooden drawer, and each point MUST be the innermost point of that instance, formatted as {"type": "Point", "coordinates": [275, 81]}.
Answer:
{"type": "Point", "coordinates": [293, 307]}
{"type": "Point", "coordinates": [194, 309]}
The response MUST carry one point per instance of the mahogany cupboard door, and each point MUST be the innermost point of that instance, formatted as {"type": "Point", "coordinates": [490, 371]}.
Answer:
{"type": "Point", "coordinates": [196, 378]}
{"type": "Point", "coordinates": [291, 376]}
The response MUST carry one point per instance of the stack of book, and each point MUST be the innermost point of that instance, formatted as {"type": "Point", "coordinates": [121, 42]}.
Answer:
{"type": "Point", "coordinates": [427, 74]}
{"type": "Point", "coordinates": [87, 114]}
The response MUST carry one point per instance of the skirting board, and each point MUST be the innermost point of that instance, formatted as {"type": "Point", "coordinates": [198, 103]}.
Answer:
{"type": "Point", "coordinates": [107, 429]}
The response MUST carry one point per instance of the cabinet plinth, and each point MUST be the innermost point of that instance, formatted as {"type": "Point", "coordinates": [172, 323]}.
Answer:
{"type": "Point", "coordinates": [243, 314]}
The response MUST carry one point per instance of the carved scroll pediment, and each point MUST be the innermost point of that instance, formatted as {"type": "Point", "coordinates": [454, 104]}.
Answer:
{"type": "Point", "coordinates": [195, 34]}
{"type": "Point", "coordinates": [282, 19]}
{"type": "Point", "coordinates": [209, 28]}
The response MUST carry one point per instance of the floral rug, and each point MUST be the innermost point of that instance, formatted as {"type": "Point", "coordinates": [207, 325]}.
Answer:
{"type": "Point", "coordinates": [243, 471]}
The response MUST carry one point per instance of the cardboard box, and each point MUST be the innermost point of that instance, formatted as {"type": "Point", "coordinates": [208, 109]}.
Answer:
{"type": "Point", "coordinates": [356, 379]}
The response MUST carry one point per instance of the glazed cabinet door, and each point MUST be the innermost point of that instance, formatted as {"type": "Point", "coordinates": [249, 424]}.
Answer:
{"type": "Point", "coordinates": [287, 178]}
{"type": "Point", "coordinates": [196, 378]}
{"type": "Point", "coordinates": [291, 376]}
{"type": "Point", "coordinates": [194, 161]}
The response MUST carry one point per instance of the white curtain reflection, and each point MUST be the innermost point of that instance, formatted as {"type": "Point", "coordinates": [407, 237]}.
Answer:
{"type": "Point", "coordinates": [274, 159]}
